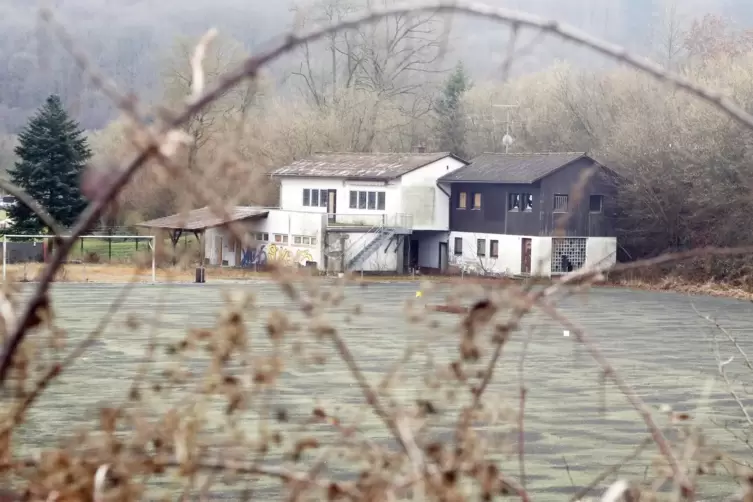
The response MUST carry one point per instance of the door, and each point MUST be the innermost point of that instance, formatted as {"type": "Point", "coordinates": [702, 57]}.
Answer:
{"type": "Point", "coordinates": [444, 256]}
{"type": "Point", "coordinates": [413, 254]}
{"type": "Point", "coordinates": [525, 265]}
{"type": "Point", "coordinates": [331, 205]}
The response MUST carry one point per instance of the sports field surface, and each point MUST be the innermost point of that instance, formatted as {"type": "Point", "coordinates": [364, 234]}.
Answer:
{"type": "Point", "coordinates": [657, 342]}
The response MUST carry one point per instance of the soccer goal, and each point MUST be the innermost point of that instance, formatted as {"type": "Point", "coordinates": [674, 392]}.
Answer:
{"type": "Point", "coordinates": [21, 251]}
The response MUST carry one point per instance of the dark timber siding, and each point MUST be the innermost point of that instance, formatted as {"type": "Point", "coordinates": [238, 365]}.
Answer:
{"type": "Point", "coordinates": [494, 218]}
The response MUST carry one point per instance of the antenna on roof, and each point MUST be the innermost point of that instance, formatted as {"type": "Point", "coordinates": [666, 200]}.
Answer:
{"type": "Point", "coordinates": [507, 139]}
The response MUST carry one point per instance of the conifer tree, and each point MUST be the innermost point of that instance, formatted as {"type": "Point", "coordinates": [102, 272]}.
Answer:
{"type": "Point", "coordinates": [52, 153]}
{"type": "Point", "coordinates": [449, 111]}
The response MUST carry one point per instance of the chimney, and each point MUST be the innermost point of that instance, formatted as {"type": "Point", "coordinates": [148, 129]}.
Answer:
{"type": "Point", "coordinates": [421, 149]}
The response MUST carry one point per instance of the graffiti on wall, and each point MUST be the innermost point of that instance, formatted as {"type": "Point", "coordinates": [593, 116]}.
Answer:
{"type": "Point", "coordinates": [274, 253]}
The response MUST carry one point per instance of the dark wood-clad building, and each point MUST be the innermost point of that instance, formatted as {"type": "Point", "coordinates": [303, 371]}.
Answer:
{"type": "Point", "coordinates": [532, 195]}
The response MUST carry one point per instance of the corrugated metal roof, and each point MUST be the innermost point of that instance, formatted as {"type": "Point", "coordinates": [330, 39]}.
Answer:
{"type": "Point", "coordinates": [200, 219]}
{"type": "Point", "coordinates": [511, 167]}
{"type": "Point", "coordinates": [359, 165]}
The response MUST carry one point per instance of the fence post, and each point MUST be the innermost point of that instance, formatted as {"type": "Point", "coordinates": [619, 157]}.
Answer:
{"type": "Point", "coordinates": [109, 250]}
{"type": "Point", "coordinates": [154, 259]}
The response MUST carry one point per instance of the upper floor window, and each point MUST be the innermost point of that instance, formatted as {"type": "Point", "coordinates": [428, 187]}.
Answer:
{"type": "Point", "coordinates": [315, 197]}
{"type": "Point", "coordinates": [520, 202]}
{"type": "Point", "coordinates": [462, 200]}
{"type": "Point", "coordinates": [596, 203]}
{"type": "Point", "coordinates": [476, 201]}
{"type": "Point", "coordinates": [560, 203]}
{"type": "Point", "coordinates": [367, 200]}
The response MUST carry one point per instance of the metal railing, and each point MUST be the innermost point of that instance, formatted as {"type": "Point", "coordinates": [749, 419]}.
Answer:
{"type": "Point", "coordinates": [392, 220]}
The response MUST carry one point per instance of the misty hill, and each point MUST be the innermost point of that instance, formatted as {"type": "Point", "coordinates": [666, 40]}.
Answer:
{"type": "Point", "coordinates": [130, 39]}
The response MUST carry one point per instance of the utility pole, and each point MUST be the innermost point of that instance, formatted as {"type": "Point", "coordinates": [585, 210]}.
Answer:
{"type": "Point", "coordinates": [507, 139]}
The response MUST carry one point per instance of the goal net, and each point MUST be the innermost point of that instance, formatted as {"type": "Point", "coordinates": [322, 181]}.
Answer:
{"type": "Point", "coordinates": [90, 256]}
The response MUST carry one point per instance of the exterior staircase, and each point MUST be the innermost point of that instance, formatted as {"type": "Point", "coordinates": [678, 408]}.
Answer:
{"type": "Point", "coordinates": [381, 235]}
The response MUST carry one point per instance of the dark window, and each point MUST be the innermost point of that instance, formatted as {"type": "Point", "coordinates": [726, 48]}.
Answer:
{"type": "Point", "coordinates": [494, 249]}
{"type": "Point", "coordinates": [458, 246]}
{"type": "Point", "coordinates": [595, 203]}
{"type": "Point", "coordinates": [315, 198]}
{"type": "Point", "coordinates": [353, 199]}
{"type": "Point", "coordinates": [476, 201]}
{"type": "Point", "coordinates": [481, 247]}
{"type": "Point", "coordinates": [462, 200]}
{"type": "Point", "coordinates": [527, 200]}
{"type": "Point", "coordinates": [372, 200]}
{"type": "Point", "coordinates": [361, 200]}
{"type": "Point", "coordinates": [380, 200]}
{"type": "Point", "coordinates": [324, 198]}
{"type": "Point", "coordinates": [306, 197]}
{"type": "Point", "coordinates": [560, 203]}
{"type": "Point", "coordinates": [514, 202]}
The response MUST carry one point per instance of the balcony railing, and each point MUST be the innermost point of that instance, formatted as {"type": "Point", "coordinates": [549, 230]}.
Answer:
{"type": "Point", "coordinates": [393, 220]}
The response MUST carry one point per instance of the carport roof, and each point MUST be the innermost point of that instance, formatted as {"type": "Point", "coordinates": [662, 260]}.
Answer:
{"type": "Point", "coordinates": [205, 217]}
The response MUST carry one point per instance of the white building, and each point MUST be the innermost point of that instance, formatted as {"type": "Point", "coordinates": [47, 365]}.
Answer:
{"type": "Point", "coordinates": [381, 209]}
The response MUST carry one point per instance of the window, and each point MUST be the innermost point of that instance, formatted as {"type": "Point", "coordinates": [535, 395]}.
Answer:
{"type": "Point", "coordinates": [462, 200]}
{"type": "Point", "coordinates": [281, 238]}
{"type": "Point", "coordinates": [494, 249]}
{"type": "Point", "coordinates": [481, 247]}
{"type": "Point", "coordinates": [315, 197]}
{"type": "Point", "coordinates": [596, 203]}
{"type": "Point", "coordinates": [265, 236]}
{"type": "Point", "coordinates": [367, 200]}
{"type": "Point", "coordinates": [458, 248]}
{"type": "Point", "coordinates": [476, 201]}
{"type": "Point", "coordinates": [303, 240]}
{"type": "Point", "coordinates": [527, 199]}
{"type": "Point", "coordinates": [313, 241]}
{"type": "Point", "coordinates": [560, 203]}
{"type": "Point", "coordinates": [514, 202]}
{"type": "Point", "coordinates": [520, 202]}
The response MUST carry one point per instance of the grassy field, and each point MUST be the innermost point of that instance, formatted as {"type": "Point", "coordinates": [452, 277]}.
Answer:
{"type": "Point", "coordinates": [575, 426]}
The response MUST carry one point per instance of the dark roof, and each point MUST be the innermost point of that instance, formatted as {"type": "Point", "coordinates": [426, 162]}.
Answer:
{"type": "Point", "coordinates": [512, 167]}
{"type": "Point", "coordinates": [201, 219]}
{"type": "Point", "coordinates": [360, 165]}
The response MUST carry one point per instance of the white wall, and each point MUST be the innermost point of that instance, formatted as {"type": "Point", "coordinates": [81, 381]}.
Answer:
{"type": "Point", "coordinates": [291, 198]}
{"type": "Point", "coordinates": [380, 260]}
{"type": "Point", "coordinates": [508, 261]}
{"type": "Point", "coordinates": [429, 204]}
{"type": "Point", "coordinates": [289, 224]}
{"type": "Point", "coordinates": [541, 256]}
{"type": "Point", "coordinates": [601, 251]}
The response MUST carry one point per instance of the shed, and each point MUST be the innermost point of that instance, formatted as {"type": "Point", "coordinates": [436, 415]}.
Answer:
{"type": "Point", "coordinates": [197, 221]}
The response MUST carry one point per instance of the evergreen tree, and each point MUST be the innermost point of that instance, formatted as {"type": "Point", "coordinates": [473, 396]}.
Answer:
{"type": "Point", "coordinates": [450, 115]}
{"type": "Point", "coordinates": [52, 153]}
